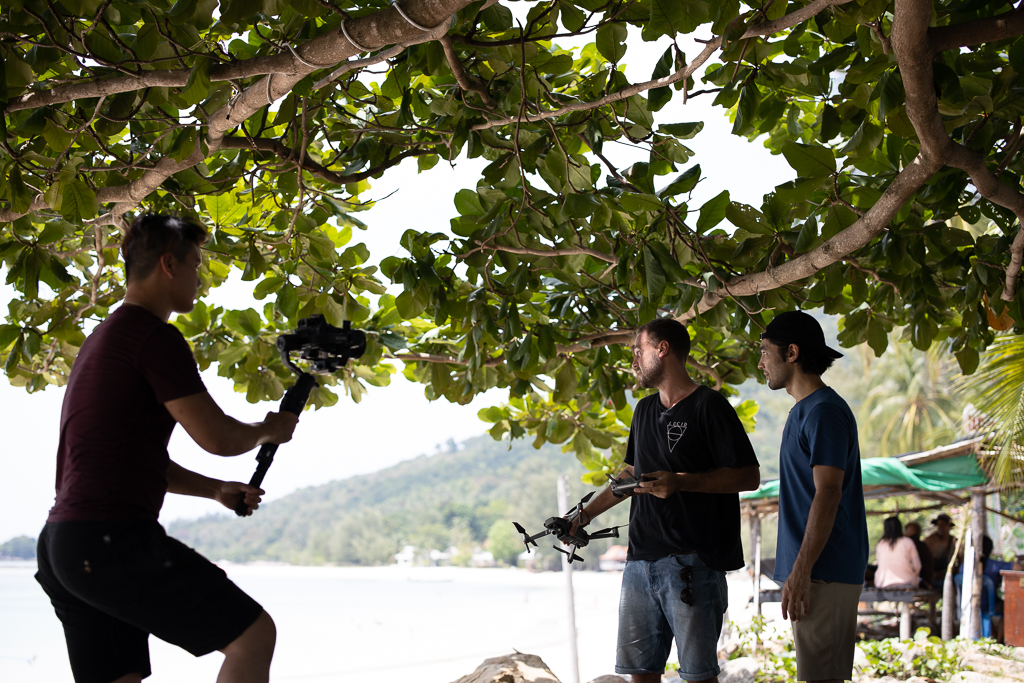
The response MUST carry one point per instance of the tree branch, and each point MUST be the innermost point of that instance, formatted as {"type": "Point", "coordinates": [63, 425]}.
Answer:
{"type": "Point", "coordinates": [465, 81]}
{"type": "Point", "coordinates": [988, 30]}
{"type": "Point", "coordinates": [278, 148]}
{"type": "Point", "coordinates": [767, 28]}
{"type": "Point", "coordinates": [385, 27]}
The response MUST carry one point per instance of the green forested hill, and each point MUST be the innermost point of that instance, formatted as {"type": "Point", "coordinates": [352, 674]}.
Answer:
{"type": "Point", "coordinates": [447, 499]}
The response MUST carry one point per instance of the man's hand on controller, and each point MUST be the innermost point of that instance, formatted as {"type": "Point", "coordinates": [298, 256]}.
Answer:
{"type": "Point", "coordinates": [279, 427]}
{"type": "Point", "coordinates": [228, 492]}
{"type": "Point", "coordinates": [660, 484]}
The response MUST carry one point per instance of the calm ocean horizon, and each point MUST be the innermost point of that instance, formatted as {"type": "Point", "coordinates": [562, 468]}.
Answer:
{"type": "Point", "coordinates": [340, 624]}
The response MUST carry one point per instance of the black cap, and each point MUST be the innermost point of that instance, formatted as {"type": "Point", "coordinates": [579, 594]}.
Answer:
{"type": "Point", "coordinates": [943, 518]}
{"type": "Point", "coordinates": [796, 327]}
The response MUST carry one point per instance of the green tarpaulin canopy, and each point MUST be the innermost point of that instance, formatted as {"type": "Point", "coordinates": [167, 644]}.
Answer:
{"type": "Point", "coordinates": [940, 475]}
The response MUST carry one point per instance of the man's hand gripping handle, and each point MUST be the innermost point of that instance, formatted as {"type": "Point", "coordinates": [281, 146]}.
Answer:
{"type": "Point", "coordinates": [293, 402]}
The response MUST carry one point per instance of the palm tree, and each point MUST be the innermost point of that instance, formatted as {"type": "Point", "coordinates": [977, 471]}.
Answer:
{"type": "Point", "coordinates": [996, 390]}
{"type": "Point", "coordinates": [909, 405]}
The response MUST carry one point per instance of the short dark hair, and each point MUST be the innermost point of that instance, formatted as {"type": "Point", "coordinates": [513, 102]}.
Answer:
{"type": "Point", "coordinates": [892, 531]}
{"type": "Point", "coordinates": [668, 330]}
{"type": "Point", "coordinates": [811, 362]}
{"type": "Point", "coordinates": [152, 235]}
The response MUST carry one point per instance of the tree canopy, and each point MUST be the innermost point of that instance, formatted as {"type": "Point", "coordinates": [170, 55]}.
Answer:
{"type": "Point", "coordinates": [902, 122]}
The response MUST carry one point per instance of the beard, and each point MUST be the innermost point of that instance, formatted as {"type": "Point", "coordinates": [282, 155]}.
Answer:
{"type": "Point", "coordinates": [651, 376]}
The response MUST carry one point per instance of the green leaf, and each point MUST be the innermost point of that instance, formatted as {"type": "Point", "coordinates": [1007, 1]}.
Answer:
{"type": "Point", "coordinates": [580, 205]}
{"type": "Point", "coordinates": [411, 303]}
{"type": "Point", "coordinates": [655, 274]}
{"type": "Point", "coordinates": [746, 111]}
{"type": "Point", "coordinates": [333, 311]}
{"type": "Point", "coordinates": [809, 161]}
{"type": "Point", "coordinates": [467, 203]}
{"type": "Point", "coordinates": [635, 203]}
{"type": "Point", "coordinates": [572, 17]}
{"type": "Point", "coordinates": [674, 17]}
{"type": "Point", "coordinates": [559, 430]}
{"type": "Point", "coordinates": [878, 340]}
{"type": "Point", "coordinates": [611, 39]}
{"type": "Point", "coordinates": [713, 211]}
{"type": "Point", "coordinates": [79, 201]}
{"type": "Point", "coordinates": [658, 97]}
{"type": "Point", "coordinates": [747, 413]}
{"type": "Point", "coordinates": [566, 383]}
{"type": "Point", "coordinates": [683, 131]}
{"type": "Point", "coordinates": [244, 322]}
{"type": "Point", "coordinates": [891, 95]}
{"type": "Point", "coordinates": [685, 182]}
{"type": "Point", "coordinates": [102, 48]}
{"type": "Point", "coordinates": [8, 333]}
{"type": "Point", "coordinates": [57, 139]}
{"type": "Point", "coordinates": [830, 123]}
{"type": "Point", "coordinates": [20, 194]}
{"type": "Point", "coordinates": [198, 85]}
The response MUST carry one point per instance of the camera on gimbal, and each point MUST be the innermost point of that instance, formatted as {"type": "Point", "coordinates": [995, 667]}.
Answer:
{"type": "Point", "coordinates": [323, 345]}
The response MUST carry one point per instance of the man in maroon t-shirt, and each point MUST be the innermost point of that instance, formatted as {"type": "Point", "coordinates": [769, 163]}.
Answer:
{"type": "Point", "coordinates": [112, 574]}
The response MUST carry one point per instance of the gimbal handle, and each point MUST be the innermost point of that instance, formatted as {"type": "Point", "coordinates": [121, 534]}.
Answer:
{"type": "Point", "coordinates": [293, 402]}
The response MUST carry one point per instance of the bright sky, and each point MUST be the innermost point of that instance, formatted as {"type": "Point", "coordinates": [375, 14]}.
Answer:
{"type": "Point", "coordinates": [393, 423]}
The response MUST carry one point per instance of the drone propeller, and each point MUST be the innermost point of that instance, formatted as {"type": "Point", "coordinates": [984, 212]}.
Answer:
{"type": "Point", "coordinates": [527, 540]}
{"type": "Point", "coordinates": [578, 508]}
{"type": "Point", "coordinates": [571, 553]}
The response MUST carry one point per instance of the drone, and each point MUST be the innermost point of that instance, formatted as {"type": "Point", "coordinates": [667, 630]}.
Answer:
{"type": "Point", "coordinates": [559, 527]}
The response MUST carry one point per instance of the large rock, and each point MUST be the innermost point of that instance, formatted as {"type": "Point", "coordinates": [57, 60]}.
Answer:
{"type": "Point", "coordinates": [994, 666]}
{"type": "Point", "coordinates": [739, 670]}
{"type": "Point", "coordinates": [973, 677]}
{"type": "Point", "coordinates": [515, 668]}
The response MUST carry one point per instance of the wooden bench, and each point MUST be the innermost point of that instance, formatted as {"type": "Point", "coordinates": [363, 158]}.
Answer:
{"type": "Point", "coordinates": [905, 597]}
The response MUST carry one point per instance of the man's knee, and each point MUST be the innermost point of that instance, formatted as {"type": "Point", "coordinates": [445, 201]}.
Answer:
{"type": "Point", "coordinates": [258, 639]}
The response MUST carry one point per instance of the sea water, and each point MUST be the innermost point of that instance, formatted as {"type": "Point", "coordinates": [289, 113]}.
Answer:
{"type": "Point", "coordinates": [341, 624]}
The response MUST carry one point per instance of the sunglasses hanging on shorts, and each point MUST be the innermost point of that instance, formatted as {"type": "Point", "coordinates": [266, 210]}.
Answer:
{"type": "Point", "coordinates": [686, 595]}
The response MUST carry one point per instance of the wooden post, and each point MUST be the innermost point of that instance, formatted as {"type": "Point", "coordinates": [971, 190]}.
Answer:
{"type": "Point", "coordinates": [574, 660]}
{"type": "Point", "coordinates": [978, 534]}
{"type": "Point", "coordinates": [966, 629]}
{"type": "Point", "coordinates": [905, 623]}
{"type": "Point", "coordinates": [755, 558]}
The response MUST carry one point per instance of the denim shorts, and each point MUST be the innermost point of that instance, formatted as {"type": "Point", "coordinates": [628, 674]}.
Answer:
{"type": "Point", "coordinates": [653, 610]}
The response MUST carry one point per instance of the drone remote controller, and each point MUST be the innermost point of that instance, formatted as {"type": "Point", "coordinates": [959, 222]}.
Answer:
{"type": "Point", "coordinates": [625, 486]}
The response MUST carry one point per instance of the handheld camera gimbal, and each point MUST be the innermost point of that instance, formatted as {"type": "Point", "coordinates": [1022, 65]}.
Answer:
{"type": "Point", "coordinates": [326, 348]}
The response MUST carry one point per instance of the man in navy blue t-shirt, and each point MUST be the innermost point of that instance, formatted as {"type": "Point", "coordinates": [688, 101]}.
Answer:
{"type": "Point", "coordinates": [823, 536]}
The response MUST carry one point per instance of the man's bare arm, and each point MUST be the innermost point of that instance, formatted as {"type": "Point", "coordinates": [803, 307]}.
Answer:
{"type": "Point", "coordinates": [221, 434]}
{"type": "Point", "coordinates": [188, 483]}
{"type": "Point", "coordinates": [828, 490]}
{"type": "Point", "coordinates": [601, 503]}
{"type": "Point", "coordinates": [722, 480]}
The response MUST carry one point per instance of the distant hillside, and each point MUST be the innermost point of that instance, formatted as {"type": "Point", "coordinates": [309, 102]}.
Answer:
{"type": "Point", "coordinates": [447, 499]}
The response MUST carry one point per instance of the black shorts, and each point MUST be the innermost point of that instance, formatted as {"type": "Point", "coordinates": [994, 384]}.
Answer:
{"type": "Point", "coordinates": [113, 583]}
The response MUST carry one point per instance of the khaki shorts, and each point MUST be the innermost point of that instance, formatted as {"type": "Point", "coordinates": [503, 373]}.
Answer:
{"type": "Point", "coordinates": [825, 638]}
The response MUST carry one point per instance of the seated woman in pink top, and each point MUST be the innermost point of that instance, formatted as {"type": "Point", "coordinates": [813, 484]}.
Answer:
{"type": "Point", "coordinates": [899, 564]}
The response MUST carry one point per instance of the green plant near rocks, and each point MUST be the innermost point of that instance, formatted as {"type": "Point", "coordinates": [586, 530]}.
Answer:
{"type": "Point", "coordinates": [925, 655]}
{"type": "Point", "coordinates": [770, 645]}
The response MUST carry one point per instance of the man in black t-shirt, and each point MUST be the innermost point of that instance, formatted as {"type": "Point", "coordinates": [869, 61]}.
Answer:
{"type": "Point", "coordinates": [689, 446]}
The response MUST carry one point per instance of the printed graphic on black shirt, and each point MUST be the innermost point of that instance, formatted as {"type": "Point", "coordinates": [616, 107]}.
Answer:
{"type": "Point", "coordinates": [675, 432]}
{"type": "Point", "coordinates": [700, 433]}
